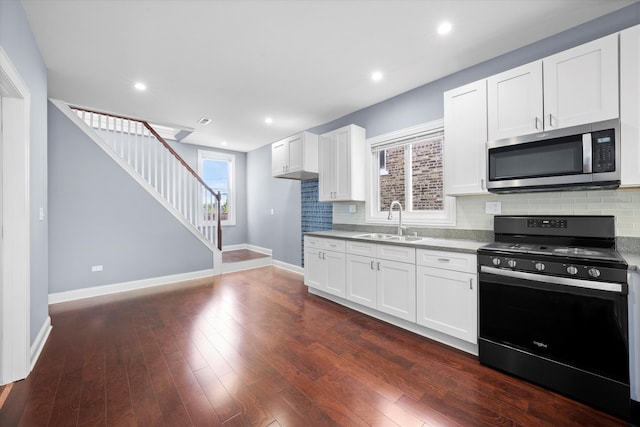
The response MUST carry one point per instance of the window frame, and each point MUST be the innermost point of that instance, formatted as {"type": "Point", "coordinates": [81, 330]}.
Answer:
{"type": "Point", "coordinates": [443, 218]}
{"type": "Point", "coordinates": [231, 195]}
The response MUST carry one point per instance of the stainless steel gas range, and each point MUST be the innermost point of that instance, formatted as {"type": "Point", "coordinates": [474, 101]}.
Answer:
{"type": "Point", "coordinates": [553, 307]}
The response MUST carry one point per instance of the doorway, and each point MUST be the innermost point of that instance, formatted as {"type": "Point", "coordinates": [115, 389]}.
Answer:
{"type": "Point", "coordinates": [14, 220]}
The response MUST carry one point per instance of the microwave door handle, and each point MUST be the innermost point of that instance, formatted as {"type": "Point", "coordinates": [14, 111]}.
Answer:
{"type": "Point", "coordinates": [587, 160]}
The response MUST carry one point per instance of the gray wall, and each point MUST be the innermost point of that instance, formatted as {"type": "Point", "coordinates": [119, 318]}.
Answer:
{"type": "Point", "coordinates": [99, 215]}
{"type": "Point", "coordinates": [279, 232]}
{"type": "Point", "coordinates": [231, 234]}
{"type": "Point", "coordinates": [18, 42]}
{"type": "Point", "coordinates": [416, 106]}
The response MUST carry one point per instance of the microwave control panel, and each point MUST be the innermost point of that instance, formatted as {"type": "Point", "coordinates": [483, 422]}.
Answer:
{"type": "Point", "coordinates": [604, 151]}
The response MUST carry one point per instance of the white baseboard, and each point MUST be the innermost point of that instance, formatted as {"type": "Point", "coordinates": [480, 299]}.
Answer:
{"type": "Point", "coordinates": [290, 267]}
{"type": "Point", "coordinates": [96, 291]}
{"type": "Point", "coordinates": [247, 246]}
{"type": "Point", "coordinates": [38, 344]}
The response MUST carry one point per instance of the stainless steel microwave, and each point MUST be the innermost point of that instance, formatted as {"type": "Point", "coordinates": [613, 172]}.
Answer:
{"type": "Point", "coordinates": [576, 158]}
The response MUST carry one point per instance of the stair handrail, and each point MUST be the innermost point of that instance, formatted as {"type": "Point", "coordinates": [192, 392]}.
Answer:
{"type": "Point", "coordinates": [173, 152]}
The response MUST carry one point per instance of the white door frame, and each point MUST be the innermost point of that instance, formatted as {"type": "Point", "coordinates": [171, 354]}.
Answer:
{"type": "Point", "coordinates": [15, 278]}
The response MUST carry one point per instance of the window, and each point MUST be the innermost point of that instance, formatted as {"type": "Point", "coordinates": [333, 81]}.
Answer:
{"type": "Point", "coordinates": [218, 172]}
{"type": "Point", "coordinates": [408, 166]}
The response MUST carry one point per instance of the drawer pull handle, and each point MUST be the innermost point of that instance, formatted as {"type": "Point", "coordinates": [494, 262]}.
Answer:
{"type": "Point", "coordinates": [443, 260]}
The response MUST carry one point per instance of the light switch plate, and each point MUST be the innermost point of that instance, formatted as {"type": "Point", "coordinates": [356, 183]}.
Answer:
{"type": "Point", "coordinates": [493, 208]}
{"type": "Point", "coordinates": [352, 209]}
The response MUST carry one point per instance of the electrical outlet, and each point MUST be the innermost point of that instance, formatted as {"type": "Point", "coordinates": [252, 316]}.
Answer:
{"type": "Point", "coordinates": [352, 209]}
{"type": "Point", "coordinates": [95, 268]}
{"type": "Point", "coordinates": [493, 208]}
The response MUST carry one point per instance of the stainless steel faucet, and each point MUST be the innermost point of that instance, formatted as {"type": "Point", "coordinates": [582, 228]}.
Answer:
{"type": "Point", "coordinates": [390, 217]}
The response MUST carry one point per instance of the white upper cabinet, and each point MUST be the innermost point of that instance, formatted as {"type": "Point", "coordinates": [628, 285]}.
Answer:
{"type": "Point", "coordinates": [630, 106]}
{"type": "Point", "coordinates": [465, 127]}
{"type": "Point", "coordinates": [581, 84]}
{"type": "Point", "coordinates": [570, 88]}
{"type": "Point", "coordinates": [295, 157]}
{"type": "Point", "coordinates": [342, 165]}
{"type": "Point", "coordinates": [514, 102]}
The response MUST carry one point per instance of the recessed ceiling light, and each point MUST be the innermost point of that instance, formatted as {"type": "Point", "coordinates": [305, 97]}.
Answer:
{"type": "Point", "coordinates": [223, 143]}
{"type": "Point", "coordinates": [376, 76]}
{"type": "Point", "coordinates": [444, 28]}
{"type": "Point", "coordinates": [140, 86]}
{"type": "Point", "coordinates": [204, 121]}
{"type": "Point", "coordinates": [268, 120]}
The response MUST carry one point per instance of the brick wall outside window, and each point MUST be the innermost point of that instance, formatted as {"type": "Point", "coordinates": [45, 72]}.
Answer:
{"type": "Point", "coordinates": [428, 192]}
{"type": "Point", "coordinates": [392, 185]}
{"type": "Point", "coordinates": [426, 175]}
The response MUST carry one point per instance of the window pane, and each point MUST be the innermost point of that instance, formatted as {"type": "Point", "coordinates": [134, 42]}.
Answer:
{"type": "Point", "coordinates": [392, 177]}
{"type": "Point", "coordinates": [216, 174]}
{"type": "Point", "coordinates": [426, 163]}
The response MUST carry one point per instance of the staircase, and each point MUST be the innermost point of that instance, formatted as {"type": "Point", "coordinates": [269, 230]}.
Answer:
{"type": "Point", "coordinates": [155, 165]}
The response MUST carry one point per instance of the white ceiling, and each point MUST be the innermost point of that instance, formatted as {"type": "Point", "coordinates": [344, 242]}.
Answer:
{"type": "Point", "coordinates": [301, 62]}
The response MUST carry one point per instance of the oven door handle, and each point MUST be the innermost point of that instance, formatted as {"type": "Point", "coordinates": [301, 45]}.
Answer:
{"type": "Point", "coordinates": [585, 284]}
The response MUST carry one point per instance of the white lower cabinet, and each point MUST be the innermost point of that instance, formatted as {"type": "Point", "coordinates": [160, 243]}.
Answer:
{"type": "Point", "coordinates": [447, 293]}
{"type": "Point", "coordinates": [382, 277]}
{"type": "Point", "coordinates": [324, 265]}
{"type": "Point", "coordinates": [435, 291]}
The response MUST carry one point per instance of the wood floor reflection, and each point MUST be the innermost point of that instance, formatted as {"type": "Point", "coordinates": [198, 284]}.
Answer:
{"type": "Point", "coordinates": [255, 349]}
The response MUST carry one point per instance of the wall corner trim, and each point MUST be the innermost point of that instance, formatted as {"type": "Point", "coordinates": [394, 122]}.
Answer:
{"type": "Point", "coordinates": [38, 344]}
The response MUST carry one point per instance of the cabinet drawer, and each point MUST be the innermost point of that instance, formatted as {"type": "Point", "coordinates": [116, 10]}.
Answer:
{"type": "Point", "coordinates": [447, 260]}
{"type": "Point", "coordinates": [333, 245]}
{"type": "Point", "coordinates": [396, 253]}
{"type": "Point", "coordinates": [313, 242]}
{"type": "Point", "coordinates": [361, 248]}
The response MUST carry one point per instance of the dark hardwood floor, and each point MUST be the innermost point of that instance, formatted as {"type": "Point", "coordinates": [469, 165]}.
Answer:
{"type": "Point", "coordinates": [255, 349]}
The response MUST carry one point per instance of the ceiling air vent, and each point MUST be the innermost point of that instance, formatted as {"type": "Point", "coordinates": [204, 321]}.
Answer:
{"type": "Point", "coordinates": [204, 121]}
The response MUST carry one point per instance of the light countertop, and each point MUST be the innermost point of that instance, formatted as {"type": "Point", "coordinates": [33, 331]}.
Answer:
{"type": "Point", "coordinates": [452, 245]}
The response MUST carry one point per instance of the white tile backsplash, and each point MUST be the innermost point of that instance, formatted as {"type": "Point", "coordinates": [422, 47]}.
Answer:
{"type": "Point", "coordinates": [470, 210]}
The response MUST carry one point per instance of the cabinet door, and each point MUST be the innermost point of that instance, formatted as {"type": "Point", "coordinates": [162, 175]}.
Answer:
{"type": "Point", "coordinates": [314, 268]}
{"type": "Point", "coordinates": [325, 168]}
{"type": "Point", "coordinates": [581, 84]}
{"type": "Point", "coordinates": [361, 280]}
{"type": "Point", "coordinates": [296, 153]}
{"type": "Point", "coordinates": [279, 157]}
{"type": "Point", "coordinates": [447, 302]}
{"type": "Point", "coordinates": [630, 105]}
{"type": "Point", "coordinates": [336, 273]}
{"type": "Point", "coordinates": [465, 127]}
{"type": "Point", "coordinates": [514, 102]}
{"type": "Point", "coordinates": [397, 289]}
{"type": "Point", "coordinates": [342, 162]}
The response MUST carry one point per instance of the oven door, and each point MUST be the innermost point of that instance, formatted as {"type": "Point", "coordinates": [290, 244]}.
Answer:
{"type": "Point", "coordinates": [567, 321]}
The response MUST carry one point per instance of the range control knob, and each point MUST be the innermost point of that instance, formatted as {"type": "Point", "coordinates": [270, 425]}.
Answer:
{"type": "Point", "coordinates": [594, 272]}
{"type": "Point", "coordinates": [572, 270]}
{"type": "Point", "coordinates": [512, 263]}
{"type": "Point", "coordinates": [540, 266]}
{"type": "Point", "coordinates": [496, 261]}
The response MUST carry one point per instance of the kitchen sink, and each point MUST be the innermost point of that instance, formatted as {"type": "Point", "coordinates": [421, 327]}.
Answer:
{"type": "Point", "coordinates": [375, 236]}
{"type": "Point", "coordinates": [406, 238]}
{"type": "Point", "coordinates": [383, 236]}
